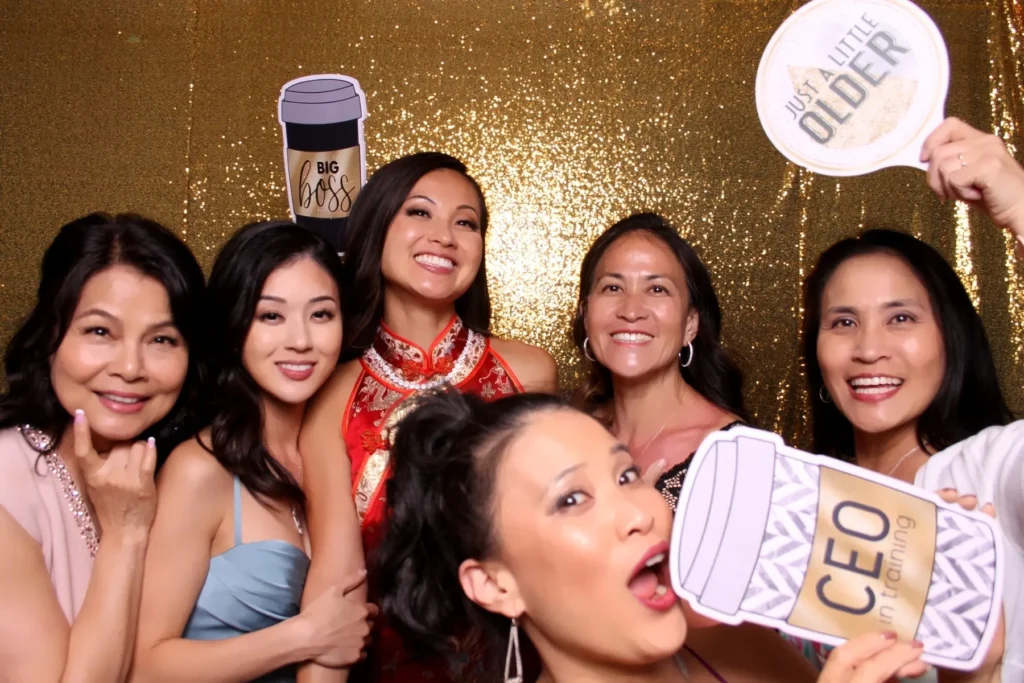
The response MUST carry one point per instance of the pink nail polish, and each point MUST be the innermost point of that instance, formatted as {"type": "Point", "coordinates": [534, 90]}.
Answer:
{"type": "Point", "coordinates": [79, 416]}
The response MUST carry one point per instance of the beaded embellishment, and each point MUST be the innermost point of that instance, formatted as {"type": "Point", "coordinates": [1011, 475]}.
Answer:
{"type": "Point", "coordinates": [42, 444]}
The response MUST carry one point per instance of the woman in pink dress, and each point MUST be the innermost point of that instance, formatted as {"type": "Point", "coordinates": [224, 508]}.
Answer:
{"type": "Point", "coordinates": [100, 376]}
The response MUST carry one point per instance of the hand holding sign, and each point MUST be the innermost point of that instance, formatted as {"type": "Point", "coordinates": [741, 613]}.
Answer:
{"type": "Point", "coordinates": [827, 551]}
{"type": "Point", "coordinates": [846, 87]}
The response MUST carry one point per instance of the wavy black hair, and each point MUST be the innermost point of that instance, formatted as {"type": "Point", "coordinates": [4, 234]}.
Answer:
{"type": "Point", "coordinates": [969, 398]}
{"type": "Point", "coordinates": [234, 403]}
{"type": "Point", "coordinates": [440, 510]}
{"type": "Point", "coordinates": [83, 248]}
{"type": "Point", "coordinates": [713, 374]}
{"type": "Point", "coordinates": [372, 213]}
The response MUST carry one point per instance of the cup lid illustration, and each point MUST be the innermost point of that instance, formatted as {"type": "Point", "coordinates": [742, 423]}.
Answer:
{"type": "Point", "coordinates": [321, 100]}
{"type": "Point", "coordinates": [847, 87]}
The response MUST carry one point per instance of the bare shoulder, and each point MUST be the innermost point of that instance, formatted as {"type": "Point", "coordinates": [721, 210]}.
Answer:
{"type": "Point", "coordinates": [534, 367]}
{"type": "Point", "coordinates": [334, 394]}
{"type": "Point", "coordinates": [192, 467]}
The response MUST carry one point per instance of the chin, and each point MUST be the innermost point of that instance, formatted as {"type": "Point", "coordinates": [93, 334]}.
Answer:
{"type": "Point", "coordinates": [119, 429]}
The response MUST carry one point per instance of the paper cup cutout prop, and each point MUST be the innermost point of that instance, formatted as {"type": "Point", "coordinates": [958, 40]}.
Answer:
{"type": "Point", "coordinates": [826, 551]}
{"type": "Point", "coordinates": [846, 87]}
{"type": "Point", "coordinates": [324, 150]}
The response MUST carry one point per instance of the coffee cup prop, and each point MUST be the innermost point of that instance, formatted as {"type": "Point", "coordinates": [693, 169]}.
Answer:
{"type": "Point", "coordinates": [847, 87]}
{"type": "Point", "coordinates": [324, 150]}
{"type": "Point", "coordinates": [826, 551]}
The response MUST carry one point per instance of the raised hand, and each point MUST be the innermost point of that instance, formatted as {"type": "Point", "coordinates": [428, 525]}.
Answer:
{"type": "Point", "coordinates": [873, 658]}
{"type": "Point", "coordinates": [119, 483]}
{"type": "Point", "coordinates": [338, 627]}
{"type": "Point", "coordinates": [968, 165]}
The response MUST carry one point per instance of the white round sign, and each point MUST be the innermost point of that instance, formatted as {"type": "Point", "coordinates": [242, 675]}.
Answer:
{"type": "Point", "coordinates": [846, 87]}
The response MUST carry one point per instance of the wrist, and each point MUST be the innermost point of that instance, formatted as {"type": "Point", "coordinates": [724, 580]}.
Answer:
{"type": "Point", "coordinates": [299, 637]}
{"type": "Point", "coordinates": [126, 539]}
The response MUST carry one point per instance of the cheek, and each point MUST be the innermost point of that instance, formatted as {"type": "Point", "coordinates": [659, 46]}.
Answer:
{"type": "Point", "coordinates": [328, 338]}
{"type": "Point", "coordinates": [170, 368]}
{"type": "Point", "coordinates": [472, 247]}
{"type": "Point", "coordinates": [832, 354]}
{"type": "Point", "coordinates": [75, 362]}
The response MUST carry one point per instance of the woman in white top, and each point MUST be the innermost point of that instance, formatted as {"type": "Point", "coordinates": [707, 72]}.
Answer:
{"type": "Point", "coordinates": [899, 365]}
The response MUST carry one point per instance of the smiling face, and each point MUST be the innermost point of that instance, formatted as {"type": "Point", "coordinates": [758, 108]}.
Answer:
{"type": "Point", "coordinates": [880, 346]}
{"type": "Point", "coordinates": [434, 246]}
{"type": "Point", "coordinates": [638, 314]}
{"type": "Point", "coordinates": [295, 337]}
{"type": "Point", "coordinates": [573, 522]}
{"type": "Point", "coordinates": [122, 360]}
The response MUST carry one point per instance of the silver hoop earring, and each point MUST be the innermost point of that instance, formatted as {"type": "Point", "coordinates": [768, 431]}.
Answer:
{"type": "Point", "coordinates": [586, 350]}
{"type": "Point", "coordinates": [823, 395]}
{"type": "Point", "coordinates": [689, 357]}
{"type": "Point", "coordinates": [513, 647]}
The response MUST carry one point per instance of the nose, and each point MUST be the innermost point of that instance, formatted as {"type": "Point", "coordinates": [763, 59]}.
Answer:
{"type": "Point", "coordinates": [633, 516]}
{"type": "Point", "coordinates": [128, 363]}
{"type": "Point", "coordinates": [299, 338]}
{"type": "Point", "coordinates": [632, 308]}
{"type": "Point", "coordinates": [442, 233]}
{"type": "Point", "coordinates": [871, 343]}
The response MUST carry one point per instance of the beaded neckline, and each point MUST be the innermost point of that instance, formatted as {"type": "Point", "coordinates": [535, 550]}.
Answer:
{"type": "Point", "coordinates": [43, 444]}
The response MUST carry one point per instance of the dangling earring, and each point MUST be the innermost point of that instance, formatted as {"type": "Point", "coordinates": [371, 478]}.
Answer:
{"type": "Point", "coordinates": [586, 350]}
{"type": "Point", "coordinates": [689, 357]}
{"type": "Point", "coordinates": [513, 646]}
{"type": "Point", "coordinates": [823, 395]}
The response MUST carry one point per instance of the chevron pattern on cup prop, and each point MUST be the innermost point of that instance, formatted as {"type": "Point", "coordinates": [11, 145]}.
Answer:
{"type": "Point", "coordinates": [788, 539]}
{"type": "Point", "coordinates": [960, 594]}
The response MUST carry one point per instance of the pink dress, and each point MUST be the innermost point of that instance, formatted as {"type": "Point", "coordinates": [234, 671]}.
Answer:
{"type": "Point", "coordinates": [32, 494]}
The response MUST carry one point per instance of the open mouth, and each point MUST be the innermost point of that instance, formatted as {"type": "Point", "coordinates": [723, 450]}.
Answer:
{"type": "Point", "coordinates": [296, 371]}
{"type": "Point", "coordinates": [878, 385]}
{"type": "Point", "coordinates": [121, 402]}
{"type": "Point", "coordinates": [631, 337]}
{"type": "Point", "coordinates": [649, 582]}
{"type": "Point", "coordinates": [435, 262]}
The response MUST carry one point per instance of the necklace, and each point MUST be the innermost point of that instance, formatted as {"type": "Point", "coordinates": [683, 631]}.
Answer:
{"type": "Point", "coordinates": [295, 510]}
{"type": "Point", "coordinates": [652, 439]}
{"type": "Point", "coordinates": [900, 461]}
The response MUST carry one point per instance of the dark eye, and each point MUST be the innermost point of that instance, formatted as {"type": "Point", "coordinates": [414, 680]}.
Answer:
{"type": "Point", "coordinates": [269, 317]}
{"type": "Point", "coordinates": [166, 339]}
{"type": "Point", "coordinates": [611, 288]}
{"type": "Point", "coordinates": [841, 322]}
{"type": "Point", "coordinates": [571, 500]}
{"type": "Point", "coordinates": [324, 315]}
{"type": "Point", "coordinates": [98, 331]}
{"type": "Point", "coordinates": [658, 289]}
{"type": "Point", "coordinates": [467, 223]}
{"type": "Point", "coordinates": [903, 318]}
{"type": "Point", "coordinates": [422, 213]}
{"type": "Point", "coordinates": [630, 475]}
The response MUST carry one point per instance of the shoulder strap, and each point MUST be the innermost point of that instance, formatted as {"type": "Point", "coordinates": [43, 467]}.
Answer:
{"type": "Point", "coordinates": [238, 511]}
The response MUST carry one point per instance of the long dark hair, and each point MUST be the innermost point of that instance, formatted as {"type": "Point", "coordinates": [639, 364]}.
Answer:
{"type": "Point", "coordinates": [83, 248]}
{"type": "Point", "coordinates": [372, 213]}
{"type": "Point", "coordinates": [235, 405]}
{"type": "Point", "coordinates": [440, 512]}
{"type": "Point", "coordinates": [713, 374]}
{"type": "Point", "coordinates": [969, 398]}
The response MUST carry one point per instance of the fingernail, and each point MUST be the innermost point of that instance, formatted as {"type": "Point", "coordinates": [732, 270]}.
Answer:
{"type": "Point", "coordinates": [151, 441]}
{"type": "Point", "coordinates": [79, 415]}
{"type": "Point", "coordinates": [362, 572]}
{"type": "Point", "coordinates": [888, 635]}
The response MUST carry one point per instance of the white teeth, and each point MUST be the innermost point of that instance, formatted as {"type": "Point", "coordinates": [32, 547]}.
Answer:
{"type": "Point", "coordinates": [656, 560]}
{"type": "Point", "coordinates": [431, 260]}
{"type": "Point", "coordinates": [875, 381]}
{"type": "Point", "coordinates": [297, 367]}
{"type": "Point", "coordinates": [121, 399]}
{"type": "Point", "coordinates": [632, 337]}
{"type": "Point", "coordinates": [660, 590]}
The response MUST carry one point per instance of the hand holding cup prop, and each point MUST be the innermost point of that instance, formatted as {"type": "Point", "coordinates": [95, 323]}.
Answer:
{"type": "Point", "coordinates": [827, 551]}
{"type": "Point", "coordinates": [847, 87]}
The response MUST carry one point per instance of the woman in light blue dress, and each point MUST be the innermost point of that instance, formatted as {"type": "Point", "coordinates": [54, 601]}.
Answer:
{"type": "Point", "coordinates": [228, 557]}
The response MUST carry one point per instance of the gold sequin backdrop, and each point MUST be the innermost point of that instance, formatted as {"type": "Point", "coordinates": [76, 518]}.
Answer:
{"type": "Point", "coordinates": [571, 113]}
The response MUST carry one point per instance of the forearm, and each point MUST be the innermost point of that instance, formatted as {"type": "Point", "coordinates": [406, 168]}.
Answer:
{"type": "Point", "coordinates": [320, 578]}
{"type": "Point", "coordinates": [102, 637]}
{"type": "Point", "coordinates": [233, 660]}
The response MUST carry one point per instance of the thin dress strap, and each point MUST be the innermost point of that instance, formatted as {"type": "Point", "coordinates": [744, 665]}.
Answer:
{"type": "Point", "coordinates": [718, 676]}
{"type": "Point", "coordinates": [238, 512]}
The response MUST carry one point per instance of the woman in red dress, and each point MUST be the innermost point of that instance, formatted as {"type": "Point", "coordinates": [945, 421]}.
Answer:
{"type": "Point", "coordinates": [416, 317]}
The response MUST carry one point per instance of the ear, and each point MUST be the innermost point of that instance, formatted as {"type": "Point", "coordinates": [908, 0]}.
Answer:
{"type": "Point", "coordinates": [692, 326]}
{"type": "Point", "coordinates": [492, 586]}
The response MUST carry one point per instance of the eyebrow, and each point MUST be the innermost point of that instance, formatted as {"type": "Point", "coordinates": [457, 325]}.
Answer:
{"type": "Point", "coordinates": [620, 276]}
{"type": "Point", "coordinates": [110, 316]}
{"type": "Point", "coordinates": [615, 450]}
{"type": "Point", "coordinates": [896, 303]}
{"type": "Point", "coordinates": [280, 300]}
{"type": "Point", "coordinates": [461, 206]}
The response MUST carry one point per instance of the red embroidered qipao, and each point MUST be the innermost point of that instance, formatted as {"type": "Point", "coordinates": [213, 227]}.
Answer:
{"type": "Point", "coordinates": [393, 371]}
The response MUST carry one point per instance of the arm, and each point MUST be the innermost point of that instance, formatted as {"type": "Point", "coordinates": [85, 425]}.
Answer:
{"type": "Point", "coordinates": [334, 533]}
{"type": "Point", "coordinates": [36, 643]}
{"type": "Point", "coordinates": [533, 366]}
{"type": "Point", "coordinates": [194, 497]}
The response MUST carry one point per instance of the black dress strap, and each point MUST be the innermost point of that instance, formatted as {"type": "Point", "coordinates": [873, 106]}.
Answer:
{"type": "Point", "coordinates": [670, 483]}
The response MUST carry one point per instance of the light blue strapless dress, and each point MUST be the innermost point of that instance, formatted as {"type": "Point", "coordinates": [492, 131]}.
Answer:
{"type": "Point", "coordinates": [249, 587]}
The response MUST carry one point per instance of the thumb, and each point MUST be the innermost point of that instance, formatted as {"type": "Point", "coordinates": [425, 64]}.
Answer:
{"type": "Point", "coordinates": [353, 582]}
{"type": "Point", "coordinates": [656, 469]}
